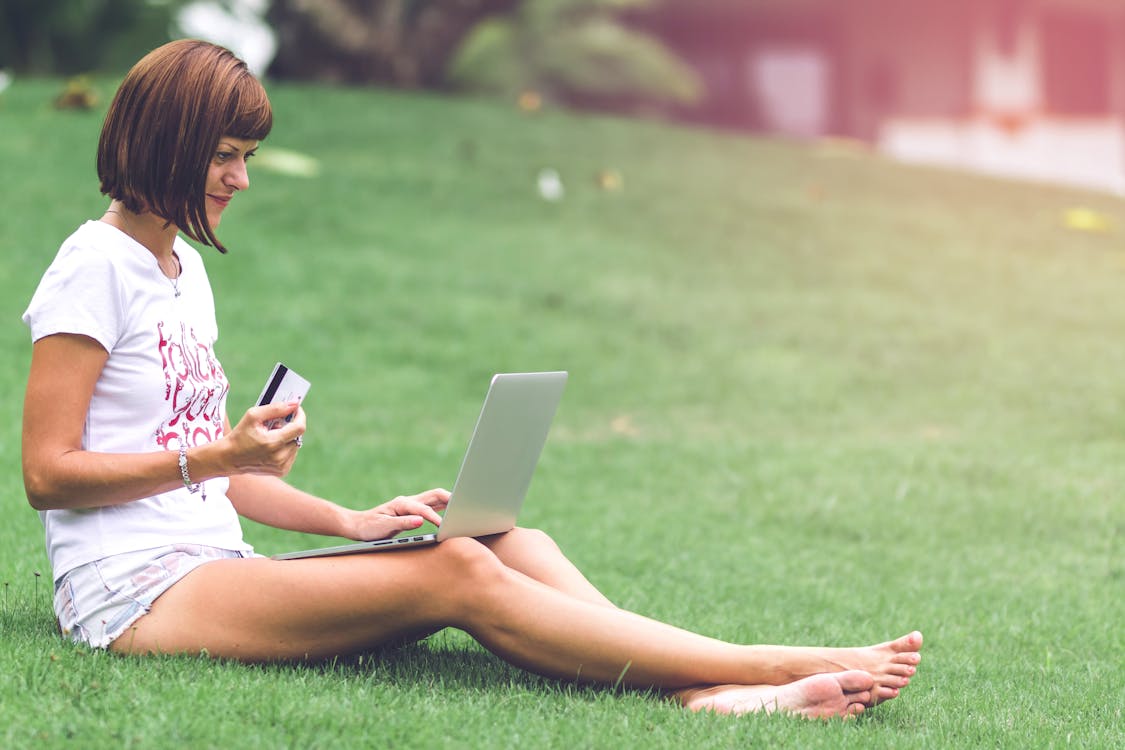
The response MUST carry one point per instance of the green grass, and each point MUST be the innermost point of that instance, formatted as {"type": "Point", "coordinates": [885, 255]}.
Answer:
{"type": "Point", "coordinates": [815, 398]}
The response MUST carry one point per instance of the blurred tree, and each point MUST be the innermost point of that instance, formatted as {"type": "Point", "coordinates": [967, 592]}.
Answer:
{"type": "Point", "coordinates": [406, 43]}
{"type": "Point", "coordinates": [74, 36]}
{"type": "Point", "coordinates": [579, 52]}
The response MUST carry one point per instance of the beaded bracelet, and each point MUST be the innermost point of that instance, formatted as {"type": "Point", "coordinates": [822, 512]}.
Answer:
{"type": "Point", "coordinates": [191, 487]}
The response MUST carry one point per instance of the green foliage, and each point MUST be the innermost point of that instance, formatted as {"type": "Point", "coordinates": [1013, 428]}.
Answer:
{"type": "Point", "coordinates": [77, 36]}
{"type": "Point", "coordinates": [574, 51]}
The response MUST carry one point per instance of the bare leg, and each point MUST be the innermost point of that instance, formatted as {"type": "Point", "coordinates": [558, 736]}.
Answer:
{"type": "Point", "coordinates": [262, 610]}
{"type": "Point", "coordinates": [537, 556]}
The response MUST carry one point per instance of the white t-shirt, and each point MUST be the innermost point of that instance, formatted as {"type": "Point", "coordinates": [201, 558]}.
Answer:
{"type": "Point", "coordinates": [161, 385]}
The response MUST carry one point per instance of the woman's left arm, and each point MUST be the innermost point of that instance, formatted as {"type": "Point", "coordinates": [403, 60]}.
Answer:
{"type": "Point", "coordinates": [272, 501]}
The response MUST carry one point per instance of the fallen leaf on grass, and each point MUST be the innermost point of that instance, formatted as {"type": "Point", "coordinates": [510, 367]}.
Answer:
{"type": "Point", "coordinates": [610, 180]}
{"type": "Point", "coordinates": [78, 94]}
{"type": "Point", "coordinates": [623, 425]}
{"type": "Point", "coordinates": [530, 102]}
{"type": "Point", "coordinates": [1087, 220]}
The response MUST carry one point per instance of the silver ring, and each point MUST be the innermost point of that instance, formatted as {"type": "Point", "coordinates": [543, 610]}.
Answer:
{"type": "Point", "coordinates": [299, 441]}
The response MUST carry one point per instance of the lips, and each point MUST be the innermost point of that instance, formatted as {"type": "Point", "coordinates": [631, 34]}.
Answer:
{"type": "Point", "coordinates": [220, 200]}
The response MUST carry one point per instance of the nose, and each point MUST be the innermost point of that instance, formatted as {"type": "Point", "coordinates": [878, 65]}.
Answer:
{"type": "Point", "coordinates": [236, 177]}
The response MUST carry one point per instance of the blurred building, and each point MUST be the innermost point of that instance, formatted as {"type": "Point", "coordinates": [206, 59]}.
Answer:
{"type": "Point", "coordinates": [1023, 88]}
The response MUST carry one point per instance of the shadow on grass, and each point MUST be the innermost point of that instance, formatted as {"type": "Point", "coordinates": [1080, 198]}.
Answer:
{"type": "Point", "coordinates": [449, 660]}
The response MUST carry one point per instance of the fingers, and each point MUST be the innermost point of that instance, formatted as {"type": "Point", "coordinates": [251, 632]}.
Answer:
{"type": "Point", "coordinates": [436, 498]}
{"type": "Point", "coordinates": [383, 523]}
{"type": "Point", "coordinates": [286, 417]}
{"type": "Point", "coordinates": [426, 505]}
{"type": "Point", "coordinates": [270, 412]}
{"type": "Point", "coordinates": [404, 513]}
{"type": "Point", "coordinates": [264, 442]}
{"type": "Point", "coordinates": [288, 433]}
{"type": "Point", "coordinates": [432, 502]}
{"type": "Point", "coordinates": [415, 506]}
{"type": "Point", "coordinates": [406, 523]}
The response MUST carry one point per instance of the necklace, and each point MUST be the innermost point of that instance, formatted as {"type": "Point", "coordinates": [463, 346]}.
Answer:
{"type": "Point", "coordinates": [174, 280]}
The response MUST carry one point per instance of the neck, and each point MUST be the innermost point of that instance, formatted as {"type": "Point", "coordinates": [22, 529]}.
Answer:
{"type": "Point", "coordinates": [146, 228]}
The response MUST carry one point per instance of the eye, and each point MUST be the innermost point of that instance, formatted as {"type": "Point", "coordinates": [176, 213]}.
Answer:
{"type": "Point", "coordinates": [222, 156]}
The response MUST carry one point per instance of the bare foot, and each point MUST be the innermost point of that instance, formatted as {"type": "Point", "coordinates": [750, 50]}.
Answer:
{"type": "Point", "coordinates": [890, 664]}
{"type": "Point", "coordinates": [823, 696]}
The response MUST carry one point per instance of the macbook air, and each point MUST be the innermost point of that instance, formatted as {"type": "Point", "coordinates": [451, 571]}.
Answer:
{"type": "Point", "coordinates": [496, 470]}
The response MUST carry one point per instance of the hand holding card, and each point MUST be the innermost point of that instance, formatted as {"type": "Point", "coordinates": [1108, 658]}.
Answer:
{"type": "Point", "coordinates": [282, 387]}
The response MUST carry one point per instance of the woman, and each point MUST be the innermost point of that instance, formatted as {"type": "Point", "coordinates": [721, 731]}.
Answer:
{"type": "Point", "coordinates": [139, 476]}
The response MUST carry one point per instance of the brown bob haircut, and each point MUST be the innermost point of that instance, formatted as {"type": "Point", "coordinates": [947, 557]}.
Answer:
{"type": "Point", "coordinates": [165, 123]}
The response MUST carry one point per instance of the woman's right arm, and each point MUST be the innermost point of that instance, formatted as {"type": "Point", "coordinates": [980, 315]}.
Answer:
{"type": "Point", "coordinates": [58, 473]}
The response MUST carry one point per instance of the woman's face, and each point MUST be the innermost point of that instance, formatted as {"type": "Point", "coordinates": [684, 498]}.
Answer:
{"type": "Point", "coordinates": [227, 174]}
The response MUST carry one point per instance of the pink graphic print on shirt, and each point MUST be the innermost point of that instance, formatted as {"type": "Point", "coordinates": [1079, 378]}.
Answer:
{"type": "Point", "coordinates": [194, 385]}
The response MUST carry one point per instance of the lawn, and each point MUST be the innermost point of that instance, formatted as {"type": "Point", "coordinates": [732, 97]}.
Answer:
{"type": "Point", "coordinates": [815, 397]}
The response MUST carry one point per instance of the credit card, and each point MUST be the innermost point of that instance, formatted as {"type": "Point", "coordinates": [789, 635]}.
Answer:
{"type": "Point", "coordinates": [282, 387]}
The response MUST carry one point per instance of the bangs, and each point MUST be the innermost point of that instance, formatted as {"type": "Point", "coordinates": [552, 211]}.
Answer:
{"type": "Point", "coordinates": [249, 115]}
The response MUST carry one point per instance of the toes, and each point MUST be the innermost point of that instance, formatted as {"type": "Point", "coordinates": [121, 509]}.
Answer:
{"type": "Point", "coordinates": [854, 680]}
{"type": "Point", "coordinates": [864, 697]}
{"type": "Point", "coordinates": [883, 693]}
{"type": "Point", "coordinates": [900, 670]}
{"type": "Point", "coordinates": [908, 642]}
{"type": "Point", "coordinates": [911, 657]}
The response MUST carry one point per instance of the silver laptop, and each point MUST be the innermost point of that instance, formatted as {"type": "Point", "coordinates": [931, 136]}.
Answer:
{"type": "Point", "coordinates": [497, 468]}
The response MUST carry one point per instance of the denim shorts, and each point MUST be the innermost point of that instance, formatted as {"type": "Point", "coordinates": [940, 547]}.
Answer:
{"type": "Point", "coordinates": [97, 602]}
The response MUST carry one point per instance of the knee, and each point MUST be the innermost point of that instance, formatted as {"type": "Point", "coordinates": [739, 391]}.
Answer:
{"type": "Point", "coordinates": [471, 562]}
{"type": "Point", "coordinates": [531, 539]}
